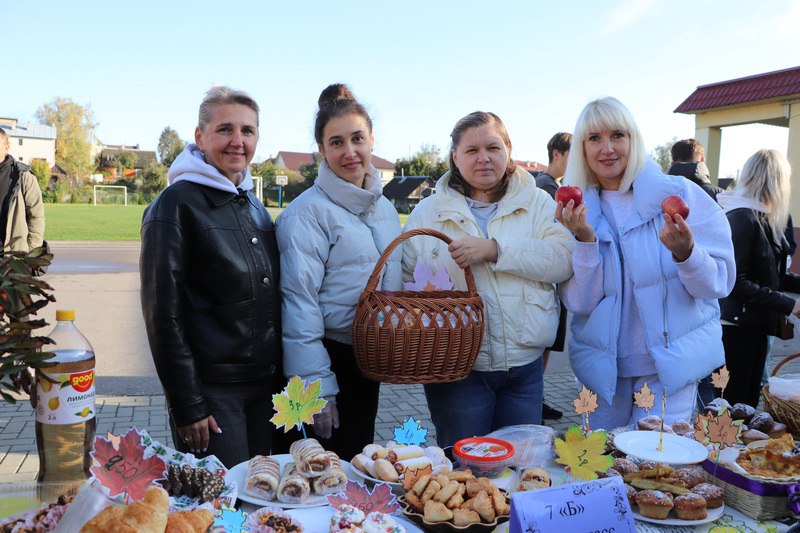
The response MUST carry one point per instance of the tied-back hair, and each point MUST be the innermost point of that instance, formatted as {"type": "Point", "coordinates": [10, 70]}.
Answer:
{"type": "Point", "coordinates": [766, 178]}
{"type": "Point", "coordinates": [337, 100]}
{"type": "Point", "coordinates": [477, 119]}
{"type": "Point", "coordinates": [599, 115]}
{"type": "Point", "coordinates": [223, 95]}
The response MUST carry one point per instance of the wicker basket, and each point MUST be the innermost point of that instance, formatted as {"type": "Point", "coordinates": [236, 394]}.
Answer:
{"type": "Point", "coordinates": [782, 410]}
{"type": "Point", "coordinates": [417, 336]}
{"type": "Point", "coordinates": [757, 499]}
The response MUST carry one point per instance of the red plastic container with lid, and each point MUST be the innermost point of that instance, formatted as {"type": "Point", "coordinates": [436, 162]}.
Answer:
{"type": "Point", "coordinates": [485, 456]}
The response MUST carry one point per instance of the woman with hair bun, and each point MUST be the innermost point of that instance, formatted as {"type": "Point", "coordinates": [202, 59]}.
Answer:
{"type": "Point", "coordinates": [330, 238]}
{"type": "Point", "coordinates": [644, 293]}
{"type": "Point", "coordinates": [757, 209]}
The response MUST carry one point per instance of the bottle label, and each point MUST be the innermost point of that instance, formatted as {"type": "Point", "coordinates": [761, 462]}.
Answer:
{"type": "Point", "coordinates": [68, 399]}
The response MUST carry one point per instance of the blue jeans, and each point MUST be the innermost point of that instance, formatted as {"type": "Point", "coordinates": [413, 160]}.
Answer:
{"type": "Point", "coordinates": [486, 401]}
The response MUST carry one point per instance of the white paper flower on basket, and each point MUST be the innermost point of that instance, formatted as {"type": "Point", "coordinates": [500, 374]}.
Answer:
{"type": "Point", "coordinates": [426, 280]}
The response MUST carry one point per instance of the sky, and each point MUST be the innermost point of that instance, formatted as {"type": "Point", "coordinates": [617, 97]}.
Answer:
{"type": "Point", "coordinates": [417, 66]}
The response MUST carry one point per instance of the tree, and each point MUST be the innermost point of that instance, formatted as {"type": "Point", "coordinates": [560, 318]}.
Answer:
{"type": "Point", "coordinates": [426, 162]}
{"type": "Point", "coordinates": [662, 154]}
{"type": "Point", "coordinates": [41, 170]}
{"type": "Point", "coordinates": [125, 161]}
{"type": "Point", "coordinates": [170, 146]}
{"type": "Point", "coordinates": [75, 124]}
{"type": "Point", "coordinates": [154, 180]}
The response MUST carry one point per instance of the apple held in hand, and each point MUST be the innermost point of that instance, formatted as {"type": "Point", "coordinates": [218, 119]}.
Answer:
{"type": "Point", "coordinates": [566, 193]}
{"type": "Point", "coordinates": [675, 205]}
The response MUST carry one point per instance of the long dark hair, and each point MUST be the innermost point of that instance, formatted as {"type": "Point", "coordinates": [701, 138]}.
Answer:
{"type": "Point", "coordinates": [476, 120]}
{"type": "Point", "coordinates": [337, 100]}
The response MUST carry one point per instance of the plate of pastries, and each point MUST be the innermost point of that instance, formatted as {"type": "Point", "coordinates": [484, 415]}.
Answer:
{"type": "Point", "coordinates": [388, 464]}
{"type": "Point", "coordinates": [302, 478]}
{"type": "Point", "coordinates": [669, 495]}
{"type": "Point", "coordinates": [151, 514]}
{"type": "Point", "coordinates": [456, 501]}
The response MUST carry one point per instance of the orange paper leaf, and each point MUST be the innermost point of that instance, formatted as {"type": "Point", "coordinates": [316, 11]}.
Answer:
{"type": "Point", "coordinates": [720, 379]}
{"type": "Point", "coordinates": [412, 476]}
{"type": "Point", "coordinates": [644, 398]}
{"type": "Point", "coordinates": [721, 429]}
{"type": "Point", "coordinates": [586, 402]}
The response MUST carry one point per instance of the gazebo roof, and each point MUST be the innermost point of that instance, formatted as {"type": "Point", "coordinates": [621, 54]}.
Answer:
{"type": "Point", "coordinates": [767, 86]}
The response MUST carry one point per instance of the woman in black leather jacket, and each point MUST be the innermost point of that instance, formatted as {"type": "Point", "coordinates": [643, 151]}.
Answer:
{"type": "Point", "coordinates": [210, 297]}
{"type": "Point", "coordinates": [757, 210]}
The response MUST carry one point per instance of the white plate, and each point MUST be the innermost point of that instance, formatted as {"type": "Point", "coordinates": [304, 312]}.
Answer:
{"type": "Point", "coordinates": [239, 472]}
{"type": "Point", "coordinates": [319, 519]}
{"type": "Point", "coordinates": [713, 514]}
{"type": "Point", "coordinates": [676, 450]}
{"type": "Point", "coordinates": [395, 485]}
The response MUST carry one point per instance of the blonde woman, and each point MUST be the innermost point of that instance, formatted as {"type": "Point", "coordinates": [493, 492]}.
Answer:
{"type": "Point", "coordinates": [757, 210]}
{"type": "Point", "coordinates": [644, 294]}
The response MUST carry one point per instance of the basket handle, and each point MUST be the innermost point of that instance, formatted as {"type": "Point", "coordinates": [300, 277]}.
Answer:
{"type": "Point", "coordinates": [785, 360]}
{"type": "Point", "coordinates": [372, 283]}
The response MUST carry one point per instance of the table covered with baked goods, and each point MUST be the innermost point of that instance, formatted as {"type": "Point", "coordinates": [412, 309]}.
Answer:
{"type": "Point", "coordinates": [261, 491]}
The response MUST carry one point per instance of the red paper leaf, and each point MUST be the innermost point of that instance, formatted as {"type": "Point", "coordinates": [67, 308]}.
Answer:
{"type": "Point", "coordinates": [380, 499]}
{"type": "Point", "coordinates": [123, 469]}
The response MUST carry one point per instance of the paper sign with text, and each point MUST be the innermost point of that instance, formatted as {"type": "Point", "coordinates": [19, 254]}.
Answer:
{"type": "Point", "coordinates": [594, 506]}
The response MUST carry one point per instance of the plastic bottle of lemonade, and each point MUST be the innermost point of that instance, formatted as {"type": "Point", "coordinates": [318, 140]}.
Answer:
{"type": "Point", "coordinates": [65, 410]}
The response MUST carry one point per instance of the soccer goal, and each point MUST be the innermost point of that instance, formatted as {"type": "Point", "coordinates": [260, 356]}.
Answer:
{"type": "Point", "coordinates": [112, 197]}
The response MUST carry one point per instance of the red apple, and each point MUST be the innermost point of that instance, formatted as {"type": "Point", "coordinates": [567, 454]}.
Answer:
{"type": "Point", "coordinates": [566, 193]}
{"type": "Point", "coordinates": [675, 205]}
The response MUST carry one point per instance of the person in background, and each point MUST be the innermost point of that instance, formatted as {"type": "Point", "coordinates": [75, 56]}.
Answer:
{"type": "Point", "coordinates": [502, 227]}
{"type": "Point", "coordinates": [549, 181]}
{"type": "Point", "coordinates": [330, 238]}
{"type": "Point", "coordinates": [209, 271]}
{"type": "Point", "coordinates": [643, 298]}
{"type": "Point", "coordinates": [689, 161]}
{"type": "Point", "coordinates": [757, 210]}
{"type": "Point", "coordinates": [21, 206]}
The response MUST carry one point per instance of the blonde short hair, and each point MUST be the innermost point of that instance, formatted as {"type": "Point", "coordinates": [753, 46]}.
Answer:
{"type": "Point", "coordinates": [604, 114]}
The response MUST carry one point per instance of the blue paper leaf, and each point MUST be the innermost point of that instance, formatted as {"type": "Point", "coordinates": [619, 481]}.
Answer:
{"type": "Point", "coordinates": [231, 520]}
{"type": "Point", "coordinates": [410, 433]}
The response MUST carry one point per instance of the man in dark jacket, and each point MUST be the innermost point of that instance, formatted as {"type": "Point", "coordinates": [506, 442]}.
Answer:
{"type": "Point", "coordinates": [550, 180]}
{"type": "Point", "coordinates": [689, 161]}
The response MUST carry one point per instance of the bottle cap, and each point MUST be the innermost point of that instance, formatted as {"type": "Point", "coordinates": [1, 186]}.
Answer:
{"type": "Point", "coordinates": [65, 314]}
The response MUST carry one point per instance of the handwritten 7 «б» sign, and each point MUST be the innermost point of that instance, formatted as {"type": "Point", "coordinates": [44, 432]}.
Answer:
{"type": "Point", "coordinates": [595, 506]}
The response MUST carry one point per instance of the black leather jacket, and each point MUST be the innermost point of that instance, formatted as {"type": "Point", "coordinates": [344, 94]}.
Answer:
{"type": "Point", "coordinates": [756, 301]}
{"type": "Point", "coordinates": [210, 294]}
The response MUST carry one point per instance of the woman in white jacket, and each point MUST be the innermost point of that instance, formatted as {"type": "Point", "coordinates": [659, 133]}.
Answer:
{"type": "Point", "coordinates": [502, 227]}
{"type": "Point", "coordinates": [330, 238]}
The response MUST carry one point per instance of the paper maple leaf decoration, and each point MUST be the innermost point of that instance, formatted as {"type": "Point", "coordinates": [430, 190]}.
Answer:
{"type": "Point", "coordinates": [297, 404]}
{"type": "Point", "coordinates": [379, 500]}
{"type": "Point", "coordinates": [644, 398]}
{"type": "Point", "coordinates": [583, 455]}
{"type": "Point", "coordinates": [721, 429]}
{"type": "Point", "coordinates": [230, 519]}
{"type": "Point", "coordinates": [426, 280]}
{"type": "Point", "coordinates": [410, 477]}
{"type": "Point", "coordinates": [720, 379]}
{"type": "Point", "coordinates": [123, 469]}
{"type": "Point", "coordinates": [586, 402]}
{"type": "Point", "coordinates": [411, 432]}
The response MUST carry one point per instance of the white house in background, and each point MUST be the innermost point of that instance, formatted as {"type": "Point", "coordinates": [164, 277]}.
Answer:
{"type": "Point", "coordinates": [30, 141]}
{"type": "Point", "coordinates": [294, 160]}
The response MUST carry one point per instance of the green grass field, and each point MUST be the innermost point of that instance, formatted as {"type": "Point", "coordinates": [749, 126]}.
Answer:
{"type": "Point", "coordinates": [80, 222]}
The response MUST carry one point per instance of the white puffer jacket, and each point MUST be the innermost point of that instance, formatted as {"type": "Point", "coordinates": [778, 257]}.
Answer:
{"type": "Point", "coordinates": [535, 252]}
{"type": "Point", "coordinates": [330, 238]}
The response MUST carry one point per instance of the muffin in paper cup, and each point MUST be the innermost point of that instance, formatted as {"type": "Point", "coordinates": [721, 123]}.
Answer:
{"type": "Point", "coordinates": [258, 521]}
